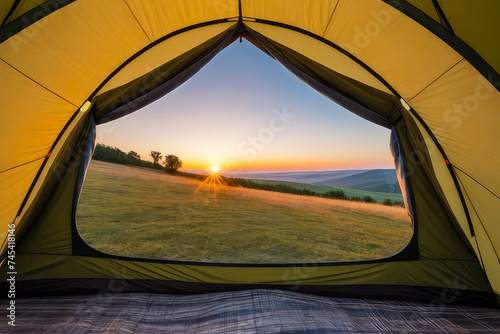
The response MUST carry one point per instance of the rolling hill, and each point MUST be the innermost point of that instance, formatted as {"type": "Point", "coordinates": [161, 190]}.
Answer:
{"type": "Point", "coordinates": [376, 180]}
{"type": "Point", "coordinates": [379, 180]}
{"type": "Point", "coordinates": [310, 177]}
{"type": "Point", "coordinates": [376, 195]}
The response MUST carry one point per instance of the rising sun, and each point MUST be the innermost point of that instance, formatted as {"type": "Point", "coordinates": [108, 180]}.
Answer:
{"type": "Point", "coordinates": [215, 169]}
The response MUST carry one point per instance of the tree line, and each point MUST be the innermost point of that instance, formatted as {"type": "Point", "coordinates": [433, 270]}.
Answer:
{"type": "Point", "coordinates": [113, 154]}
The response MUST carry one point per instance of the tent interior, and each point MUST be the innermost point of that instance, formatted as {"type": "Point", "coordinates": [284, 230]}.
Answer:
{"type": "Point", "coordinates": [427, 70]}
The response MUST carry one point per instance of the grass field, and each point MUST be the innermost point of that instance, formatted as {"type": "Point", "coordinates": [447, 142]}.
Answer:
{"type": "Point", "coordinates": [139, 212]}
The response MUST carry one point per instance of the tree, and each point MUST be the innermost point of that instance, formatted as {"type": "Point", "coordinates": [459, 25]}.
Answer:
{"type": "Point", "coordinates": [368, 199]}
{"type": "Point", "coordinates": [338, 194]}
{"type": "Point", "coordinates": [156, 157]}
{"type": "Point", "coordinates": [172, 163]}
{"type": "Point", "coordinates": [134, 155]}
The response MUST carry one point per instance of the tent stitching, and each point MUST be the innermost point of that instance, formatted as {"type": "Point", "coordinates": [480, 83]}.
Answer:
{"type": "Point", "coordinates": [433, 81]}
{"type": "Point", "coordinates": [25, 163]}
{"type": "Point", "coordinates": [482, 185]}
{"type": "Point", "coordinates": [481, 222]}
{"type": "Point", "coordinates": [11, 11]}
{"type": "Point", "coordinates": [330, 20]}
{"type": "Point", "coordinates": [135, 17]}
{"type": "Point", "coordinates": [443, 17]}
{"type": "Point", "coordinates": [39, 83]}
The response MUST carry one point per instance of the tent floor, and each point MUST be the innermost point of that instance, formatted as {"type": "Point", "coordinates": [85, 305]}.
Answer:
{"type": "Point", "coordinates": [251, 311]}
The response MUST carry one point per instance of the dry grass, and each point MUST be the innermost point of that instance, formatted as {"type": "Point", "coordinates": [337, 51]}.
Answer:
{"type": "Point", "coordinates": [315, 204]}
{"type": "Point", "coordinates": [322, 205]}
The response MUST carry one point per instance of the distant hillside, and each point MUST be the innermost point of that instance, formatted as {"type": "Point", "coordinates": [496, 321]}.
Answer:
{"type": "Point", "coordinates": [311, 177]}
{"type": "Point", "coordinates": [376, 195]}
{"type": "Point", "coordinates": [379, 180]}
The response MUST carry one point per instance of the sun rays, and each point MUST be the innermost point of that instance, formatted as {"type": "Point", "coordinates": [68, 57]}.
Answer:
{"type": "Point", "coordinates": [213, 184]}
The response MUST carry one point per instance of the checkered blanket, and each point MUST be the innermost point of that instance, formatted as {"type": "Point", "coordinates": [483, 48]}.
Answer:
{"type": "Point", "coordinates": [252, 311]}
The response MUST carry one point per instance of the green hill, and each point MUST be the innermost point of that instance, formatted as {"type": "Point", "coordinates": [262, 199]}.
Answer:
{"type": "Point", "coordinates": [377, 180]}
{"type": "Point", "coordinates": [378, 196]}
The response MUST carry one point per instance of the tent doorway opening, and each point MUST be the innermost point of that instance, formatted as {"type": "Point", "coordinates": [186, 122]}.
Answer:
{"type": "Point", "coordinates": [244, 164]}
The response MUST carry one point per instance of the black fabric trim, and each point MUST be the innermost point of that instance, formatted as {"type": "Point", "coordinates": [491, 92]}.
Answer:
{"type": "Point", "coordinates": [240, 15]}
{"type": "Point", "coordinates": [478, 62]}
{"type": "Point", "coordinates": [433, 295]}
{"type": "Point", "coordinates": [30, 17]}
{"type": "Point", "coordinates": [11, 10]}
{"type": "Point", "coordinates": [442, 16]}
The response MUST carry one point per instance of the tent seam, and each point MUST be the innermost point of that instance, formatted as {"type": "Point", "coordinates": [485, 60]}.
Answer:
{"type": "Point", "coordinates": [9, 14]}
{"type": "Point", "coordinates": [23, 164]}
{"type": "Point", "coordinates": [442, 16]}
{"type": "Point", "coordinates": [135, 17]}
{"type": "Point", "coordinates": [330, 20]}
{"type": "Point", "coordinates": [482, 225]}
{"type": "Point", "coordinates": [433, 81]}
{"type": "Point", "coordinates": [463, 172]}
{"type": "Point", "coordinates": [38, 83]}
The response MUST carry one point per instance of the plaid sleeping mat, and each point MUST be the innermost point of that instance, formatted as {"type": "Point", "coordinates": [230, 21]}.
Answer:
{"type": "Point", "coordinates": [251, 311]}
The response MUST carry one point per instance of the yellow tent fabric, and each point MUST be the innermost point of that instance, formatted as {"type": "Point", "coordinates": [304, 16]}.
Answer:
{"type": "Point", "coordinates": [438, 59]}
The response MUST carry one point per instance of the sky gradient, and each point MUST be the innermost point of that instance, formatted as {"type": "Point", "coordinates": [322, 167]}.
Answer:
{"type": "Point", "coordinates": [244, 111]}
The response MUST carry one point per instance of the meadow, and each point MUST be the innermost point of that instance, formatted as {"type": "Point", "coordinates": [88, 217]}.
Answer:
{"type": "Point", "coordinates": [139, 212]}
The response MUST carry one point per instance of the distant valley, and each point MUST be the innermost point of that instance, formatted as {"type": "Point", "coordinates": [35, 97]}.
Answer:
{"type": "Point", "coordinates": [376, 180]}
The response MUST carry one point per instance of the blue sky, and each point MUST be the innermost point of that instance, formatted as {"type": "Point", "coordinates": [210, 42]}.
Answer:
{"type": "Point", "coordinates": [245, 111]}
